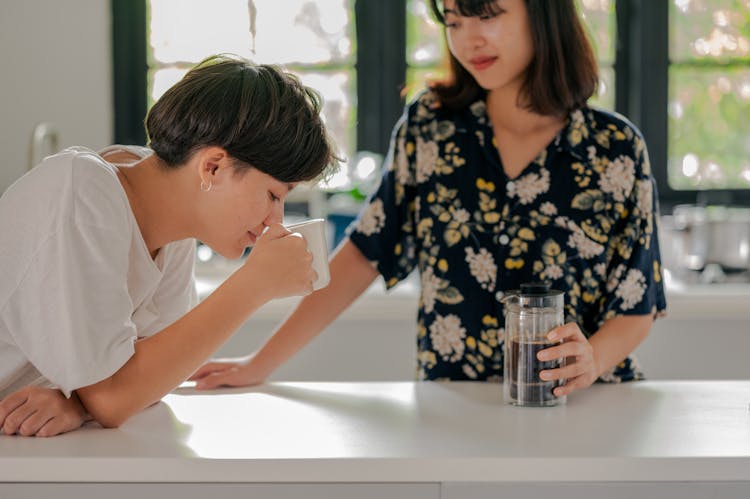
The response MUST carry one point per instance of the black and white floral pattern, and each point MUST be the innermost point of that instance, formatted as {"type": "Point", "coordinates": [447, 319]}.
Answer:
{"type": "Point", "coordinates": [580, 216]}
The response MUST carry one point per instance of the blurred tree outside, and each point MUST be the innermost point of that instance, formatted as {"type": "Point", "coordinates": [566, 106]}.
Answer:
{"type": "Point", "coordinates": [709, 94]}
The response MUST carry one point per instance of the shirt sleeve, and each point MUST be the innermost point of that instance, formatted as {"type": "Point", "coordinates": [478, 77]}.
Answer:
{"type": "Point", "coordinates": [385, 228]}
{"type": "Point", "coordinates": [70, 314]}
{"type": "Point", "coordinates": [635, 285]}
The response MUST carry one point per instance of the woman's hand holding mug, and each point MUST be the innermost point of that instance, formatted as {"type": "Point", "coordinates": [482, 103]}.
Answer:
{"type": "Point", "coordinates": [280, 264]}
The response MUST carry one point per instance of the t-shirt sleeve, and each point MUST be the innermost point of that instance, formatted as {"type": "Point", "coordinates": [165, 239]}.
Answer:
{"type": "Point", "coordinates": [70, 313]}
{"type": "Point", "coordinates": [635, 283]}
{"type": "Point", "coordinates": [384, 230]}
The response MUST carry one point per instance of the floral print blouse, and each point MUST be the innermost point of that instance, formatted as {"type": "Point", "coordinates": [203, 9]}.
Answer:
{"type": "Point", "coordinates": [581, 216]}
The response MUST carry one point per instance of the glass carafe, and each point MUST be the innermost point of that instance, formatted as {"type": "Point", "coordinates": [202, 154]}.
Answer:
{"type": "Point", "coordinates": [531, 313]}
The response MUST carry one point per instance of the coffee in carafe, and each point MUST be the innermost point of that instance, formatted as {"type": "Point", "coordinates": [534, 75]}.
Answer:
{"type": "Point", "coordinates": [531, 313]}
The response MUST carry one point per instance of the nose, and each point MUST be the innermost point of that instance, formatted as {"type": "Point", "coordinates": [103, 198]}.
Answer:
{"type": "Point", "coordinates": [276, 215]}
{"type": "Point", "coordinates": [476, 38]}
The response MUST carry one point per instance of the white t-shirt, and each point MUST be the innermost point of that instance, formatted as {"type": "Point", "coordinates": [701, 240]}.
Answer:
{"type": "Point", "coordinates": [77, 283]}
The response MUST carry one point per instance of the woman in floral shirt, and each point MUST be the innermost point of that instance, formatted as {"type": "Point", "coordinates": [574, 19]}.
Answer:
{"type": "Point", "coordinates": [500, 176]}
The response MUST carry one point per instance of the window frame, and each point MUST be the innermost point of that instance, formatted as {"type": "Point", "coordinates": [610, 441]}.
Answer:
{"type": "Point", "coordinates": [381, 70]}
{"type": "Point", "coordinates": [642, 84]}
{"type": "Point", "coordinates": [129, 70]}
{"type": "Point", "coordinates": [641, 80]}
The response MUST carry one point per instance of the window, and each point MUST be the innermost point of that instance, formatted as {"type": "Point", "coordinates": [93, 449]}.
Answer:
{"type": "Point", "coordinates": [679, 69]}
{"type": "Point", "coordinates": [709, 95]}
{"type": "Point", "coordinates": [599, 17]}
{"type": "Point", "coordinates": [425, 48]}
{"type": "Point", "coordinates": [315, 40]}
{"type": "Point", "coordinates": [684, 64]}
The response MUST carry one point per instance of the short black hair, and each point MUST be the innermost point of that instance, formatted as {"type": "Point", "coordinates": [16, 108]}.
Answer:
{"type": "Point", "coordinates": [260, 114]}
{"type": "Point", "coordinates": [563, 74]}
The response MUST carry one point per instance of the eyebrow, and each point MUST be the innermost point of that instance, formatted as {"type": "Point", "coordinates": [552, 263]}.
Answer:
{"type": "Point", "coordinates": [455, 12]}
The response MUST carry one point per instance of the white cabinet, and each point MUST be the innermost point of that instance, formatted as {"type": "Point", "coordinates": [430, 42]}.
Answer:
{"type": "Point", "coordinates": [696, 349]}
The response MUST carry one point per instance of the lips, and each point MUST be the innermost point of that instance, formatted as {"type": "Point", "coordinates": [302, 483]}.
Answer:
{"type": "Point", "coordinates": [480, 63]}
{"type": "Point", "coordinates": [252, 237]}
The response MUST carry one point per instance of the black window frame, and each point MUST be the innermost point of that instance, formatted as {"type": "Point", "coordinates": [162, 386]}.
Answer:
{"type": "Point", "coordinates": [642, 85]}
{"type": "Point", "coordinates": [641, 80]}
{"type": "Point", "coordinates": [129, 70]}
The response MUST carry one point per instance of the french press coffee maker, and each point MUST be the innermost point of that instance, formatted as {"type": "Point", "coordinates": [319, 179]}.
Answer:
{"type": "Point", "coordinates": [531, 313]}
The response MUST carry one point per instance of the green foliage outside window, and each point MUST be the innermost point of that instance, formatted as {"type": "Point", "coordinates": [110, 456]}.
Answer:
{"type": "Point", "coordinates": [709, 94]}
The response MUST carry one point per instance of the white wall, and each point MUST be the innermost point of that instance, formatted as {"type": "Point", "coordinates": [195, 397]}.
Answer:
{"type": "Point", "coordinates": [348, 350]}
{"type": "Point", "coordinates": [55, 66]}
{"type": "Point", "coordinates": [376, 341]}
{"type": "Point", "coordinates": [696, 349]}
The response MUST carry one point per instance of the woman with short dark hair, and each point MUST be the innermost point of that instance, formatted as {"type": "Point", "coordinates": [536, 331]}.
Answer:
{"type": "Point", "coordinates": [499, 176]}
{"type": "Point", "coordinates": [98, 307]}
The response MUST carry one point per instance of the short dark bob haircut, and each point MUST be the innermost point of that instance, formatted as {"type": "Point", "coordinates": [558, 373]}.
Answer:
{"type": "Point", "coordinates": [260, 114]}
{"type": "Point", "coordinates": [563, 74]}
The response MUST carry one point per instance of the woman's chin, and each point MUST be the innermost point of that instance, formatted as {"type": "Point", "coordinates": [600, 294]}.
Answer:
{"type": "Point", "coordinates": [233, 254]}
{"type": "Point", "coordinates": [236, 255]}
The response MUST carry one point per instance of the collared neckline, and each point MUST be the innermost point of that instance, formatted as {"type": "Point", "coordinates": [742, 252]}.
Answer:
{"type": "Point", "coordinates": [575, 137]}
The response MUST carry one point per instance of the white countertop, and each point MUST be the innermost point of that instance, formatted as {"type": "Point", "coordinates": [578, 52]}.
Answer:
{"type": "Point", "coordinates": [407, 432]}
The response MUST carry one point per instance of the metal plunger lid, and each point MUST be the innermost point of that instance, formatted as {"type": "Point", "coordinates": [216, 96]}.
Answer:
{"type": "Point", "coordinates": [539, 295]}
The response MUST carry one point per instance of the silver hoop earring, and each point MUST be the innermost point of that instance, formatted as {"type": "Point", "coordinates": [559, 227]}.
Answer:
{"type": "Point", "coordinates": [206, 188]}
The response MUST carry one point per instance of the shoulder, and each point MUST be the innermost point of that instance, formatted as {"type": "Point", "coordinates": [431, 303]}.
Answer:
{"type": "Point", "coordinates": [97, 196]}
{"type": "Point", "coordinates": [67, 205]}
{"type": "Point", "coordinates": [420, 109]}
{"type": "Point", "coordinates": [605, 124]}
{"type": "Point", "coordinates": [53, 186]}
{"type": "Point", "coordinates": [425, 100]}
{"type": "Point", "coordinates": [75, 165]}
{"type": "Point", "coordinates": [425, 107]}
{"type": "Point", "coordinates": [613, 154]}
{"type": "Point", "coordinates": [416, 119]}
{"type": "Point", "coordinates": [599, 119]}
{"type": "Point", "coordinates": [80, 187]}
{"type": "Point", "coordinates": [599, 133]}
{"type": "Point", "coordinates": [425, 117]}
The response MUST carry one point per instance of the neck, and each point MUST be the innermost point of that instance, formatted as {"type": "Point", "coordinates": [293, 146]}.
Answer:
{"type": "Point", "coordinates": [506, 112]}
{"type": "Point", "coordinates": [157, 199]}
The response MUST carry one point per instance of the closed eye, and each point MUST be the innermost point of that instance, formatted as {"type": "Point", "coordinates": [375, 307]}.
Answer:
{"type": "Point", "coordinates": [492, 15]}
{"type": "Point", "coordinates": [450, 21]}
{"type": "Point", "coordinates": [273, 197]}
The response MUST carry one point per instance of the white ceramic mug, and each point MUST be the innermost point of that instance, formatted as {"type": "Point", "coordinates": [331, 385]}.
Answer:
{"type": "Point", "coordinates": [314, 232]}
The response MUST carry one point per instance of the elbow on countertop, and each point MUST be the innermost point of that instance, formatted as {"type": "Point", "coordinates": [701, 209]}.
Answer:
{"type": "Point", "coordinates": [103, 412]}
{"type": "Point", "coordinates": [105, 405]}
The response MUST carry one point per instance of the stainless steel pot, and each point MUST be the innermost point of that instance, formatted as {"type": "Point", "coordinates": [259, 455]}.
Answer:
{"type": "Point", "coordinates": [714, 235]}
{"type": "Point", "coordinates": [730, 241]}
